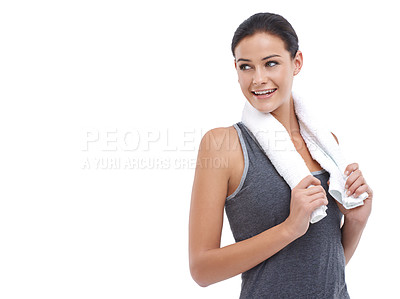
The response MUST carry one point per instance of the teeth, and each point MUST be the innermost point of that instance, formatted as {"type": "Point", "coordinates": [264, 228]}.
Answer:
{"type": "Point", "coordinates": [264, 91]}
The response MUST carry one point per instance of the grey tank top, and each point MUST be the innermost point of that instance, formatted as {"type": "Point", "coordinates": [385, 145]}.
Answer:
{"type": "Point", "coordinates": [312, 266]}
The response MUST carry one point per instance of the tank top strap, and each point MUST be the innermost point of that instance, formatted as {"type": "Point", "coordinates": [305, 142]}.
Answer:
{"type": "Point", "coordinates": [253, 148]}
{"type": "Point", "coordinates": [250, 138]}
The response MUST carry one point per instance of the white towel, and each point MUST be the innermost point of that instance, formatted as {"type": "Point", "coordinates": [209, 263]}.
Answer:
{"type": "Point", "coordinates": [278, 146]}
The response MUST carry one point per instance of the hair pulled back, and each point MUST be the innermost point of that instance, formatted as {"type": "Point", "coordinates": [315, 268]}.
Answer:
{"type": "Point", "coordinates": [273, 24]}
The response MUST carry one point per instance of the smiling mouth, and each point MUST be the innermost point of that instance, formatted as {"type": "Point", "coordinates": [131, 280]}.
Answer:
{"type": "Point", "coordinates": [264, 92]}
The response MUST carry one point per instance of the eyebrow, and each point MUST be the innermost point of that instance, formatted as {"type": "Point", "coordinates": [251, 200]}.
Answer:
{"type": "Point", "coordinates": [265, 58]}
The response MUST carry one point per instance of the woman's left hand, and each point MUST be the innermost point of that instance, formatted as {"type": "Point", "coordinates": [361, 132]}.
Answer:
{"type": "Point", "coordinates": [356, 185]}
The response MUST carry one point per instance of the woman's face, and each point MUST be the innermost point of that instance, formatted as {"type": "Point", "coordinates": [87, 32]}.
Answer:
{"type": "Point", "coordinates": [266, 70]}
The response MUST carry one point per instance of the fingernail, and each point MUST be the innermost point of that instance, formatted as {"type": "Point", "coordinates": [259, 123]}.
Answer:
{"type": "Point", "coordinates": [348, 192]}
{"type": "Point", "coordinates": [347, 172]}
{"type": "Point", "coordinates": [345, 187]}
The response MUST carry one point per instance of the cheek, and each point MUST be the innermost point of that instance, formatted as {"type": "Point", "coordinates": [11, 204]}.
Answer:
{"type": "Point", "coordinates": [244, 81]}
{"type": "Point", "coordinates": [283, 77]}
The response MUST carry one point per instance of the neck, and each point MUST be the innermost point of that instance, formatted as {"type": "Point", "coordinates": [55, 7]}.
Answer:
{"type": "Point", "coordinates": [286, 115]}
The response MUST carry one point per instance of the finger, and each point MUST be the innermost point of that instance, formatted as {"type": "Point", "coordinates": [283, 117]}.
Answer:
{"type": "Point", "coordinates": [353, 187]}
{"type": "Point", "coordinates": [318, 202]}
{"type": "Point", "coordinates": [360, 190]}
{"type": "Point", "coordinates": [307, 181]}
{"type": "Point", "coordinates": [352, 178]}
{"type": "Point", "coordinates": [370, 192]}
{"type": "Point", "coordinates": [316, 190]}
{"type": "Point", "coordinates": [328, 182]}
{"type": "Point", "coordinates": [318, 197]}
{"type": "Point", "coordinates": [350, 168]}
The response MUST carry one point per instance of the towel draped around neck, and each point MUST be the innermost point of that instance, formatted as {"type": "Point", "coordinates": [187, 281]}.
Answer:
{"type": "Point", "coordinates": [278, 146]}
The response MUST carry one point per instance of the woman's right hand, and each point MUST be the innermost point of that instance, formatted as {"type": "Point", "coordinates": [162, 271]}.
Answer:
{"type": "Point", "coordinates": [303, 202]}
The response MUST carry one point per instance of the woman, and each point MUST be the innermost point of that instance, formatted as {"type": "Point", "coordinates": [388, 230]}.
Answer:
{"type": "Point", "coordinates": [278, 252]}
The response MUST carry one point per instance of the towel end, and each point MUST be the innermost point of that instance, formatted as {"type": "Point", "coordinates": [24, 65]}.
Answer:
{"type": "Point", "coordinates": [318, 214]}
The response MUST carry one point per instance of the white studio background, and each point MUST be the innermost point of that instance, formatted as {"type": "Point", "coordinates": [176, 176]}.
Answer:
{"type": "Point", "coordinates": [103, 105]}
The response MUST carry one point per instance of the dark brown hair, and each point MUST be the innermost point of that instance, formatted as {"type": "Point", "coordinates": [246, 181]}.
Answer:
{"type": "Point", "coordinates": [270, 23]}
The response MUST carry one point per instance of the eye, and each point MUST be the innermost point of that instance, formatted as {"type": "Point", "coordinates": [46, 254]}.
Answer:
{"type": "Point", "coordinates": [271, 63]}
{"type": "Point", "coordinates": [244, 67]}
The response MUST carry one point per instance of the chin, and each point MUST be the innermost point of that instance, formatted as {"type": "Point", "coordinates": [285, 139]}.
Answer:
{"type": "Point", "coordinates": [263, 106]}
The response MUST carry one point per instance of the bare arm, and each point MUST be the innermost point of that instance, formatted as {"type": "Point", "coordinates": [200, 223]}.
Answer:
{"type": "Point", "coordinates": [355, 219]}
{"type": "Point", "coordinates": [351, 235]}
{"type": "Point", "coordinates": [208, 262]}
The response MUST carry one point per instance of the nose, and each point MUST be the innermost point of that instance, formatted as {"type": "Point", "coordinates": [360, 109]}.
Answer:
{"type": "Point", "coordinates": [260, 76]}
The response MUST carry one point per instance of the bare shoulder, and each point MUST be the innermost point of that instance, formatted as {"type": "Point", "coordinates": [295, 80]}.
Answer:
{"type": "Point", "coordinates": [220, 141]}
{"type": "Point", "coordinates": [220, 150]}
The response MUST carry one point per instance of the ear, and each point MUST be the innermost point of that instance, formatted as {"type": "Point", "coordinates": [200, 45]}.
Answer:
{"type": "Point", "coordinates": [298, 62]}
{"type": "Point", "coordinates": [335, 138]}
{"type": "Point", "coordinates": [234, 61]}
